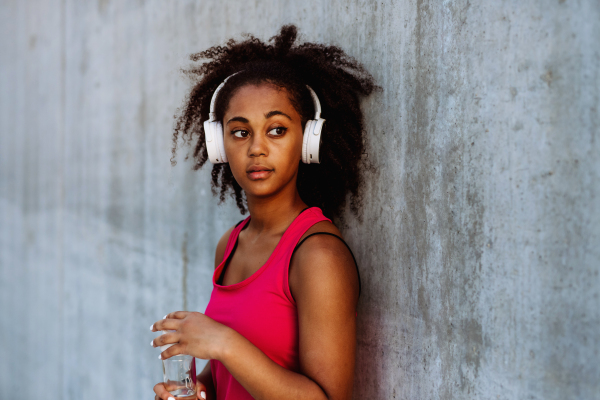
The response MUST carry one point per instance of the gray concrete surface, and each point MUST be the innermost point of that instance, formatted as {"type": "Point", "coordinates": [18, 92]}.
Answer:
{"type": "Point", "coordinates": [479, 243]}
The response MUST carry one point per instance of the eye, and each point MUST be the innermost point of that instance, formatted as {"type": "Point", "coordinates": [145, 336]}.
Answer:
{"type": "Point", "coordinates": [279, 131]}
{"type": "Point", "coordinates": [240, 133]}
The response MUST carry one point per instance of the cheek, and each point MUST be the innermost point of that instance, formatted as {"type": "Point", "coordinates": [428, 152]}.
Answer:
{"type": "Point", "coordinates": [295, 152]}
{"type": "Point", "coordinates": [231, 148]}
{"type": "Point", "coordinates": [235, 163]}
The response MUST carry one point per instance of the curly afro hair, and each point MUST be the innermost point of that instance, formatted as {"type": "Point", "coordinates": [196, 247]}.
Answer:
{"type": "Point", "coordinates": [338, 80]}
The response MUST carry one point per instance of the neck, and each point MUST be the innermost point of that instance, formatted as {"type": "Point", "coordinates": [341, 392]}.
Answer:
{"type": "Point", "coordinates": [274, 213]}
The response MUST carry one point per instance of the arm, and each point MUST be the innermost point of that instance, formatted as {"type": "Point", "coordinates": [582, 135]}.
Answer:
{"type": "Point", "coordinates": [324, 282]}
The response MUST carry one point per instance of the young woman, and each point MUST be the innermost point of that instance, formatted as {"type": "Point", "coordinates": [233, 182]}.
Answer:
{"type": "Point", "coordinates": [281, 321]}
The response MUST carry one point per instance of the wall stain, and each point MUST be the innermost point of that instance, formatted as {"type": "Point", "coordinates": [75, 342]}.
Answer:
{"type": "Point", "coordinates": [103, 5]}
{"type": "Point", "coordinates": [548, 77]}
{"type": "Point", "coordinates": [473, 334]}
{"type": "Point", "coordinates": [423, 306]}
{"type": "Point", "coordinates": [32, 42]}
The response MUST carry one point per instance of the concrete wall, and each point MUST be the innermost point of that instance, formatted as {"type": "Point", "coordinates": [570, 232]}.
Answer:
{"type": "Point", "coordinates": [479, 244]}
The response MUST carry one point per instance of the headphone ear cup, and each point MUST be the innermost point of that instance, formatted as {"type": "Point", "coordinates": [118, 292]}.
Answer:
{"type": "Point", "coordinates": [311, 142]}
{"type": "Point", "coordinates": [213, 134]}
{"type": "Point", "coordinates": [220, 141]}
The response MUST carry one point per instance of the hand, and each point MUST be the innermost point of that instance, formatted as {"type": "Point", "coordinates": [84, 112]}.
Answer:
{"type": "Point", "coordinates": [162, 393]}
{"type": "Point", "coordinates": [195, 334]}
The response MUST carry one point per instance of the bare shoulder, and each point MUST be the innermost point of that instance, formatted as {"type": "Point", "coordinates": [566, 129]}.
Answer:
{"type": "Point", "coordinates": [323, 264]}
{"type": "Point", "coordinates": [323, 226]}
{"type": "Point", "coordinates": [221, 246]}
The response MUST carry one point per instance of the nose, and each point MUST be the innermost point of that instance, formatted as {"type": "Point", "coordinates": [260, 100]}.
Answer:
{"type": "Point", "coordinates": [258, 146]}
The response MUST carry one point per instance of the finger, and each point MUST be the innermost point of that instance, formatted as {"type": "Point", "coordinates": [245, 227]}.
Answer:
{"type": "Point", "coordinates": [166, 325]}
{"type": "Point", "coordinates": [200, 390]}
{"type": "Point", "coordinates": [171, 351]}
{"type": "Point", "coordinates": [177, 315]}
{"type": "Point", "coordinates": [166, 338]}
{"type": "Point", "coordinates": [162, 393]}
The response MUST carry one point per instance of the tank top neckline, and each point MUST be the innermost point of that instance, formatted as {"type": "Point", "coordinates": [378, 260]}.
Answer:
{"type": "Point", "coordinates": [262, 269]}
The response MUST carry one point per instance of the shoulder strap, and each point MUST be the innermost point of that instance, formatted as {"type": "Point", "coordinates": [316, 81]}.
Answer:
{"type": "Point", "coordinates": [233, 238]}
{"type": "Point", "coordinates": [228, 254]}
{"type": "Point", "coordinates": [343, 241]}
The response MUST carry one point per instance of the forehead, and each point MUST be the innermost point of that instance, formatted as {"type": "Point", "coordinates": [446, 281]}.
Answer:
{"type": "Point", "coordinates": [260, 98]}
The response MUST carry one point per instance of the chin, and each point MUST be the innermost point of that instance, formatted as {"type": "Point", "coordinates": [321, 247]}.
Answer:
{"type": "Point", "coordinates": [258, 188]}
{"type": "Point", "coordinates": [261, 194]}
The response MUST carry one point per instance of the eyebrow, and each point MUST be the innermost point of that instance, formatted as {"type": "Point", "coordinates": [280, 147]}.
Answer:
{"type": "Point", "coordinates": [272, 113]}
{"type": "Point", "coordinates": [239, 119]}
{"type": "Point", "coordinates": [267, 116]}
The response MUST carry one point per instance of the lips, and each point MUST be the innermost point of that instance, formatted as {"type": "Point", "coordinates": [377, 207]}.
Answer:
{"type": "Point", "coordinates": [257, 172]}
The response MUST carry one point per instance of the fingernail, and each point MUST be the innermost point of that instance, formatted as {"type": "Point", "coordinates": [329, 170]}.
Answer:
{"type": "Point", "coordinates": [203, 395]}
{"type": "Point", "coordinates": [152, 343]}
{"type": "Point", "coordinates": [160, 356]}
{"type": "Point", "coordinates": [151, 326]}
{"type": "Point", "coordinates": [165, 317]}
{"type": "Point", "coordinates": [171, 398]}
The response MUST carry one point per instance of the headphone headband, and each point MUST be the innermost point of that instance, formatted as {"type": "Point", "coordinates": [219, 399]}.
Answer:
{"type": "Point", "coordinates": [316, 102]}
{"type": "Point", "coordinates": [213, 116]}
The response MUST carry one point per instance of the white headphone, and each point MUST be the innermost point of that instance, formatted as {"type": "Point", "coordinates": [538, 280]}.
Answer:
{"type": "Point", "coordinates": [311, 140]}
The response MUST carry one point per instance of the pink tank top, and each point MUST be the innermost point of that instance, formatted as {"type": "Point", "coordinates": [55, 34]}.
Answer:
{"type": "Point", "coordinates": [261, 308]}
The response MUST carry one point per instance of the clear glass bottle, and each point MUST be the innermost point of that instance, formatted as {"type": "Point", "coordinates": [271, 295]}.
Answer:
{"type": "Point", "coordinates": [179, 374]}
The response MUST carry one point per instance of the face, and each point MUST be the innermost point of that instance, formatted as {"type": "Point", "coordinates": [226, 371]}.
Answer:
{"type": "Point", "coordinates": [263, 140]}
